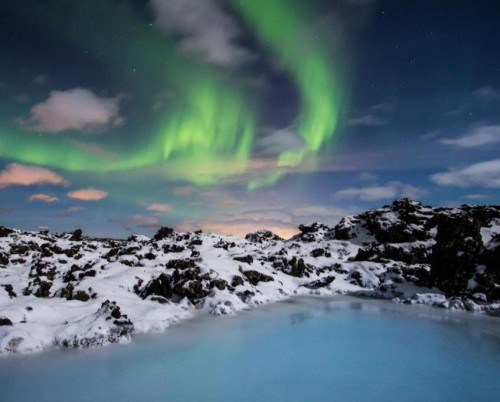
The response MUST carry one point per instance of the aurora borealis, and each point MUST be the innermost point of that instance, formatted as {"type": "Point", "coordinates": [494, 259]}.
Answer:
{"type": "Point", "coordinates": [232, 115]}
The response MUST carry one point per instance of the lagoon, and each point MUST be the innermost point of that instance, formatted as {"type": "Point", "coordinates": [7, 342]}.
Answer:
{"type": "Point", "coordinates": [314, 349]}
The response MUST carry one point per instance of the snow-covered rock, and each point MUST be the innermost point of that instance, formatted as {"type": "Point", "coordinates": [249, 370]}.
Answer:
{"type": "Point", "coordinates": [74, 291]}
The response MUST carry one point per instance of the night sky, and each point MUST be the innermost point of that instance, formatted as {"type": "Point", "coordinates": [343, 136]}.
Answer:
{"type": "Point", "coordinates": [119, 116]}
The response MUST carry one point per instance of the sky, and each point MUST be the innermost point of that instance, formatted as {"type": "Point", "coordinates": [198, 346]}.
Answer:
{"type": "Point", "coordinates": [121, 116]}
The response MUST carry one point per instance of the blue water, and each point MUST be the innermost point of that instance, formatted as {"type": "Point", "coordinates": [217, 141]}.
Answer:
{"type": "Point", "coordinates": [306, 350]}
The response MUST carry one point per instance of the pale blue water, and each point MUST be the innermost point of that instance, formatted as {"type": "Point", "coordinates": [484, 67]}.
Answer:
{"type": "Point", "coordinates": [307, 350]}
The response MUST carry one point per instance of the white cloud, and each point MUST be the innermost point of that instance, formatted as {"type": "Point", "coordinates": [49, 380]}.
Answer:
{"type": "Point", "coordinates": [43, 197]}
{"type": "Point", "coordinates": [16, 174]}
{"type": "Point", "coordinates": [476, 137]}
{"type": "Point", "coordinates": [368, 120]}
{"type": "Point", "coordinates": [206, 29]}
{"type": "Point", "coordinates": [159, 207]}
{"type": "Point", "coordinates": [88, 194]}
{"type": "Point", "coordinates": [381, 192]}
{"type": "Point", "coordinates": [74, 109]}
{"type": "Point", "coordinates": [280, 141]}
{"type": "Point", "coordinates": [482, 174]}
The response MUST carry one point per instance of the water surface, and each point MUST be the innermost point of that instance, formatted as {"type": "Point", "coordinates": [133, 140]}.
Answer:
{"type": "Point", "coordinates": [307, 349]}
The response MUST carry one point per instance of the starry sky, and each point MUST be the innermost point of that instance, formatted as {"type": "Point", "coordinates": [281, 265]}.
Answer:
{"type": "Point", "coordinates": [120, 116]}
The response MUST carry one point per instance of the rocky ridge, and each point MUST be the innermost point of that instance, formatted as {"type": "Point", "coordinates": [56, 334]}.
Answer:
{"type": "Point", "coordinates": [74, 291]}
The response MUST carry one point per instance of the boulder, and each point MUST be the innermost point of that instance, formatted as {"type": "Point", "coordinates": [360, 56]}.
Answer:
{"type": "Point", "coordinates": [76, 235]}
{"type": "Point", "coordinates": [4, 321]}
{"type": "Point", "coordinates": [163, 233]}
{"type": "Point", "coordinates": [159, 286]}
{"type": "Point", "coordinates": [254, 277]}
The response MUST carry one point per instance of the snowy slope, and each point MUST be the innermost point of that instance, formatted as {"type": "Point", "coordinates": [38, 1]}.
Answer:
{"type": "Point", "coordinates": [74, 291]}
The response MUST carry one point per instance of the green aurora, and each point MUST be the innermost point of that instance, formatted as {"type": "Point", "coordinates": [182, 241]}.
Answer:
{"type": "Point", "coordinates": [207, 132]}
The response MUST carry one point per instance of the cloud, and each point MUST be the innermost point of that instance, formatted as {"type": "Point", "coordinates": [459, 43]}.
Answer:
{"type": "Point", "coordinates": [16, 174]}
{"type": "Point", "coordinates": [159, 207]}
{"type": "Point", "coordinates": [74, 109]}
{"type": "Point", "coordinates": [88, 194]}
{"type": "Point", "coordinates": [43, 197]}
{"type": "Point", "coordinates": [381, 192]}
{"type": "Point", "coordinates": [205, 29]}
{"type": "Point", "coordinates": [487, 93]}
{"type": "Point", "coordinates": [482, 174]}
{"type": "Point", "coordinates": [476, 137]}
{"type": "Point", "coordinates": [368, 120]}
{"type": "Point", "coordinates": [279, 141]}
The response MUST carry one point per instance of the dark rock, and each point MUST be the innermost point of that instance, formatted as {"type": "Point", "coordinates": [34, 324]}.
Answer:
{"type": "Point", "coordinates": [455, 254]}
{"type": "Point", "coordinates": [4, 259]}
{"type": "Point", "coordinates": [90, 273]}
{"type": "Point", "coordinates": [158, 287]}
{"type": "Point", "coordinates": [383, 253]}
{"type": "Point", "coordinates": [66, 292]}
{"type": "Point", "coordinates": [163, 233]}
{"type": "Point", "coordinates": [149, 256]}
{"type": "Point", "coordinates": [124, 327]}
{"type": "Point", "coordinates": [220, 284]}
{"type": "Point", "coordinates": [196, 242]}
{"type": "Point", "coordinates": [173, 248]}
{"type": "Point", "coordinates": [181, 264]}
{"type": "Point", "coordinates": [72, 252]}
{"type": "Point", "coordinates": [224, 244]}
{"type": "Point", "coordinates": [246, 259]}
{"type": "Point", "coordinates": [297, 267]}
{"type": "Point", "coordinates": [191, 289]}
{"type": "Point", "coordinates": [245, 296]}
{"type": "Point", "coordinates": [43, 289]}
{"type": "Point", "coordinates": [320, 252]}
{"type": "Point", "coordinates": [261, 236]}
{"type": "Point", "coordinates": [4, 232]}
{"type": "Point", "coordinates": [10, 291]}
{"type": "Point", "coordinates": [314, 228]}
{"type": "Point", "coordinates": [81, 295]}
{"type": "Point", "coordinates": [4, 321]}
{"type": "Point", "coordinates": [320, 283]}
{"type": "Point", "coordinates": [254, 277]}
{"type": "Point", "coordinates": [237, 281]}
{"type": "Point", "coordinates": [76, 235]}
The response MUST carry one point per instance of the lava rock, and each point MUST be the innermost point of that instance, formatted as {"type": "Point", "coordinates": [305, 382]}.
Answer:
{"type": "Point", "coordinates": [163, 233]}
{"type": "Point", "coordinates": [254, 277]}
{"type": "Point", "coordinates": [4, 232]}
{"type": "Point", "coordinates": [76, 235]}
{"type": "Point", "coordinates": [159, 286]}
{"type": "Point", "coordinates": [4, 321]}
{"type": "Point", "coordinates": [320, 283]}
{"type": "Point", "coordinates": [246, 259]}
{"type": "Point", "coordinates": [262, 236]}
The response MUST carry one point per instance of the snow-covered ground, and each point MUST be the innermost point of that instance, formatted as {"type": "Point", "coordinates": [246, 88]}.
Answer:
{"type": "Point", "coordinates": [74, 291]}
